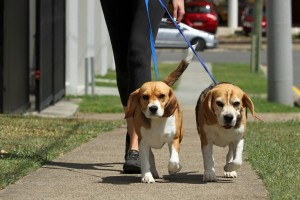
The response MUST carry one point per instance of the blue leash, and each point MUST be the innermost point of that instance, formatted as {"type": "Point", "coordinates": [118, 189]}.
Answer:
{"type": "Point", "coordinates": [187, 41]}
{"type": "Point", "coordinates": [152, 41]}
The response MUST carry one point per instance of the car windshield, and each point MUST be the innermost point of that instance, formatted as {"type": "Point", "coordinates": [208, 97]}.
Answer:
{"type": "Point", "coordinates": [198, 9]}
{"type": "Point", "coordinates": [164, 24]}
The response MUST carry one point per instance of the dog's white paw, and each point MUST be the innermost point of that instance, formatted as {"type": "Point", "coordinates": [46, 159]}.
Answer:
{"type": "Point", "coordinates": [210, 176]}
{"type": "Point", "coordinates": [232, 174]}
{"type": "Point", "coordinates": [173, 168]}
{"type": "Point", "coordinates": [230, 167]}
{"type": "Point", "coordinates": [148, 178]}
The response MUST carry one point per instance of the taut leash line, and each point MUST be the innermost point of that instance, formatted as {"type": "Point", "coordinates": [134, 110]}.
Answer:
{"type": "Point", "coordinates": [188, 42]}
{"type": "Point", "coordinates": [152, 41]}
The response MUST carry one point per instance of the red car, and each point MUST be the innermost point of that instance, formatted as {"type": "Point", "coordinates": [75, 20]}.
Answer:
{"type": "Point", "coordinates": [201, 15]}
{"type": "Point", "coordinates": [247, 20]}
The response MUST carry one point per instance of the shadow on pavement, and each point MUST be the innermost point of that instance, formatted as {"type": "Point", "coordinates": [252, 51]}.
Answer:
{"type": "Point", "coordinates": [121, 180]}
{"type": "Point", "coordinates": [84, 166]}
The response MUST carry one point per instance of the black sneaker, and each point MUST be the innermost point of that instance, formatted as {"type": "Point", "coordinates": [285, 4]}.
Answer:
{"type": "Point", "coordinates": [132, 163]}
{"type": "Point", "coordinates": [127, 144]}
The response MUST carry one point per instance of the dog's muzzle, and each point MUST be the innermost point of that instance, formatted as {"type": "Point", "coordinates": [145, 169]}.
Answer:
{"type": "Point", "coordinates": [228, 120]}
{"type": "Point", "coordinates": [153, 109]}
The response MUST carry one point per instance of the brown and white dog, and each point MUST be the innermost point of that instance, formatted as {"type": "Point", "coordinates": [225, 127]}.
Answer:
{"type": "Point", "coordinates": [221, 121]}
{"type": "Point", "coordinates": [158, 120]}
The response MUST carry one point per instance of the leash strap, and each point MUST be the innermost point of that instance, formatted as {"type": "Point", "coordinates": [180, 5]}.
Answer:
{"type": "Point", "coordinates": [188, 42]}
{"type": "Point", "coordinates": [152, 41]}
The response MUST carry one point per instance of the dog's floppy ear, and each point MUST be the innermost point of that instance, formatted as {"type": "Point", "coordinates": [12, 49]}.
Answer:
{"type": "Point", "coordinates": [171, 105]}
{"type": "Point", "coordinates": [207, 108]}
{"type": "Point", "coordinates": [132, 103]}
{"type": "Point", "coordinates": [248, 103]}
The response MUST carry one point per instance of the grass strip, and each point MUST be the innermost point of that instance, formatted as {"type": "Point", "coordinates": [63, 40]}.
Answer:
{"type": "Point", "coordinates": [101, 104]}
{"type": "Point", "coordinates": [254, 84]}
{"type": "Point", "coordinates": [31, 141]}
{"type": "Point", "coordinates": [240, 75]}
{"type": "Point", "coordinates": [273, 151]}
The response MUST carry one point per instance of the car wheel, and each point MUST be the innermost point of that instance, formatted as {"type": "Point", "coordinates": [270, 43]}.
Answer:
{"type": "Point", "coordinates": [201, 44]}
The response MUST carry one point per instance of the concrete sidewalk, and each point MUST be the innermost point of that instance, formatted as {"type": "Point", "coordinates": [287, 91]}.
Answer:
{"type": "Point", "coordinates": [94, 170]}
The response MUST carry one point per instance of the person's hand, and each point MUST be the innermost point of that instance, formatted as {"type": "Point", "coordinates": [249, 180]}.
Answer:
{"type": "Point", "coordinates": [178, 10]}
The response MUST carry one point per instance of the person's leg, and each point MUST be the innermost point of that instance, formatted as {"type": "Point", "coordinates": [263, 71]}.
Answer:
{"type": "Point", "coordinates": [128, 21]}
{"type": "Point", "coordinates": [119, 19]}
{"type": "Point", "coordinates": [139, 51]}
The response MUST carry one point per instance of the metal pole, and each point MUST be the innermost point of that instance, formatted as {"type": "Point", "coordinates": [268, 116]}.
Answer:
{"type": "Point", "coordinates": [280, 63]}
{"type": "Point", "coordinates": [86, 85]}
{"type": "Point", "coordinates": [256, 36]}
{"type": "Point", "coordinates": [92, 75]}
{"type": "Point", "coordinates": [253, 51]}
{"type": "Point", "coordinates": [258, 19]}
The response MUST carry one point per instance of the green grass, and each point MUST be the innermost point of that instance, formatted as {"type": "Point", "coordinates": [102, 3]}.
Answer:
{"type": "Point", "coordinates": [239, 74]}
{"type": "Point", "coordinates": [101, 104]}
{"type": "Point", "coordinates": [105, 84]}
{"type": "Point", "coordinates": [273, 150]}
{"type": "Point", "coordinates": [110, 76]}
{"type": "Point", "coordinates": [31, 142]}
{"type": "Point", "coordinates": [254, 84]}
{"type": "Point", "coordinates": [264, 106]}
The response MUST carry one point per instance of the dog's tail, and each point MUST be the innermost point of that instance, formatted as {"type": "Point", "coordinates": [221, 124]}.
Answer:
{"type": "Point", "coordinates": [175, 75]}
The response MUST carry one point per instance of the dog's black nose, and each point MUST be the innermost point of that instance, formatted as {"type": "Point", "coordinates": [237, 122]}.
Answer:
{"type": "Point", "coordinates": [228, 118]}
{"type": "Point", "coordinates": [153, 109]}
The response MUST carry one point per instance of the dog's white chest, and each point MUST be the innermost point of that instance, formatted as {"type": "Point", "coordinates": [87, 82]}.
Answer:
{"type": "Point", "coordinates": [163, 130]}
{"type": "Point", "coordinates": [222, 137]}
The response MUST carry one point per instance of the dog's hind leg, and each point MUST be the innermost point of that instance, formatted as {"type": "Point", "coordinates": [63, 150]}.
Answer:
{"type": "Point", "coordinates": [174, 165]}
{"type": "Point", "coordinates": [152, 165]}
{"type": "Point", "coordinates": [236, 163]}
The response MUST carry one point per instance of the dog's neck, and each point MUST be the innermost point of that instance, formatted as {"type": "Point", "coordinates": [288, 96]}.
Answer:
{"type": "Point", "coordinates": [146, 121]}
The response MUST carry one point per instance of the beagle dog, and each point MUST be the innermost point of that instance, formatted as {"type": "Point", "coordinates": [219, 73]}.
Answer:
{"type": "Point", "coordinates": [158, 120]}
{"type": "Point", "coordinates": [221, 121]}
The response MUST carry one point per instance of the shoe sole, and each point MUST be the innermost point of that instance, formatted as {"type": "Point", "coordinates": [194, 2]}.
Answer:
{"type": "Point", "coordinates": [131, 169]}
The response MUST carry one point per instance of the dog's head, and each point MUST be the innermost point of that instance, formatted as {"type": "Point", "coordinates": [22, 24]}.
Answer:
{"type": "Point", "coordinates": [226, 105]}
{"type": "Point", "coordinates": [156, 99]}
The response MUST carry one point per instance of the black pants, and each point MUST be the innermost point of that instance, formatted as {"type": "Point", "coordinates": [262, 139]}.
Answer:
{"type": "Point", "coordinates": [128, 28]}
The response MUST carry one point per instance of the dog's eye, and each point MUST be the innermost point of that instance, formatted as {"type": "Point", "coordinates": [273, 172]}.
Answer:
{"type": "Point", "coordinates": [146, 97]}
{"type": "Point", "coordinates": [161, 96]}
{"type": "Point", "coordinates": [219, 103]}
{"type": "Point", "coordinates": [236, 104]}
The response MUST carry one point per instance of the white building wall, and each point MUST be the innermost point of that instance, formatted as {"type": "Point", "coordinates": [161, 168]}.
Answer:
{"type": "Point", "coordinates": [86, 36]}
{"type": "Point", "coordinates": [103, 51]}
{"type": "Point", "coordinates": [72, 35]}
{"type": "Point", "coordinates": [82, 43]}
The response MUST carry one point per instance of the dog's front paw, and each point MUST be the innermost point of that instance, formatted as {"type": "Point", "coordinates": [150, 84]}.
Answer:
{"type": "Point", "coordinates": [232, 174]}
{"type": "Point", "coordinates": [147, 178]}
{"type": "Point", "coordinates": [230, 167]}
{"type": "Point", "coordinates": [210, 176]}
{"type": "Point", "coordinates": [173, 168]}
